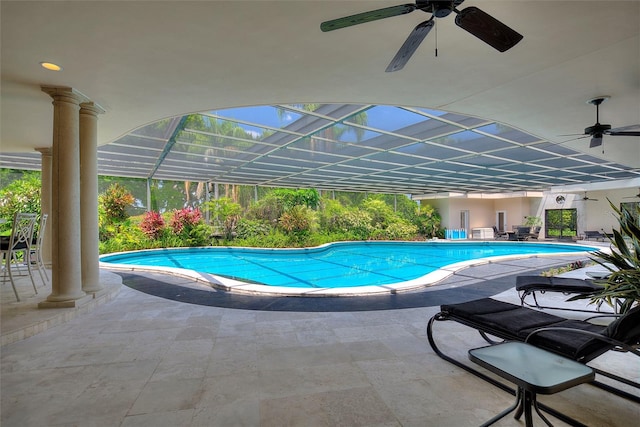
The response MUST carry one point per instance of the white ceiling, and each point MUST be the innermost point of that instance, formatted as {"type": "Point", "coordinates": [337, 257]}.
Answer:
{"type": "Point", "coordinates": [143, 61]}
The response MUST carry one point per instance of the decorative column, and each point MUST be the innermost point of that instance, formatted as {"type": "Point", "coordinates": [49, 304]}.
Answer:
{"type": "Point", "coordinates": [89, 196]}
{"type": "Point", "coordinates": [45, 200]}
{"type": "Point", "coordinates": [66, 278]}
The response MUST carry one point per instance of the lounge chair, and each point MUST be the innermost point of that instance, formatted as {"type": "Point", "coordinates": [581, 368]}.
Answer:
{"type": "Point", "coordinates": [579, 340]}
{"type": "Point", "coordinates": [588, 235]}
{"type": "Point", "coordinates": [529, 285]}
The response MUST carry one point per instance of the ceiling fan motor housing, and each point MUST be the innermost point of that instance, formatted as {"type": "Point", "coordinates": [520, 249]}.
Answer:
{"type": "Point", "coordinates": [440, 9]}
{"type": "Point", "coordinates": [597, 130]}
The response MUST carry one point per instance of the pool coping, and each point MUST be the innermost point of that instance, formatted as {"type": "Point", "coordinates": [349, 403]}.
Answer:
{"type": "Point", "coordinates": [426, 281]}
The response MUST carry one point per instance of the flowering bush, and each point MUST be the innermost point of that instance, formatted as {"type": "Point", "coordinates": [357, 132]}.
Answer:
{"type": "Point", "coordinates": [152, 224]}
{"type": "Point", "coordinates": [184, 220]}
{"type": "Point", "coordinates": [114, 203]}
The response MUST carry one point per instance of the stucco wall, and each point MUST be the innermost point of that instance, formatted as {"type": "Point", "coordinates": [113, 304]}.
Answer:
{"type": "Point", "coordinates": [592, 215]}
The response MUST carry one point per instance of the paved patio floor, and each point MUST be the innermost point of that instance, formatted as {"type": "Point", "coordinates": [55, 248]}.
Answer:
{"type": "Point", "coordinates": [135, 359]}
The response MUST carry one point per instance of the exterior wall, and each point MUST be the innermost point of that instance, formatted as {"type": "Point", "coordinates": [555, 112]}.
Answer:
{"type": "Point", "coordinates": [591, 215]}
{"type": "Point", "coordinates": [483, 212]}
{"type": "Point", "coordinates": [516, 210]}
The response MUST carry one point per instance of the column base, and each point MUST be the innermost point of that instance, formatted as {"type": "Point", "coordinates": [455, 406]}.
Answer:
{"type": "Point", "coordinates": [65, 301]}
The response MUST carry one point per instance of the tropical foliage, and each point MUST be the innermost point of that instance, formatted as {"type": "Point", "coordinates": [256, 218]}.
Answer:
{"type": "Point", "coordinates": [622, 286]}
{"type": "Point", "coordinates": [20, 195]}
{"type": "Point", "coordinates": [279, 217]}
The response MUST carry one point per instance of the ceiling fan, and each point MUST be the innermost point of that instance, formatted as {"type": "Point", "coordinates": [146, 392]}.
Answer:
{"type": "Point", "coordinates": [598, 130]}
{"type": "Point", "coordinates": [588, 199]}
{"type": "Point", "coordinates": [475, 21]}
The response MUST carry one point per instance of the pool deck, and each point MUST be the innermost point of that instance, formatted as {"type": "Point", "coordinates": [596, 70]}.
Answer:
{"type": "Point", "coordinates": [136, 359]}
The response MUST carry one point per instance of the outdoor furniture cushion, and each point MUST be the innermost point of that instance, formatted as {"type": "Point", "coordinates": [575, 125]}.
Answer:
{"type": "Point", "coordinates": [514, 322]}
{"type": "Point", "coordinates": [555, 284]}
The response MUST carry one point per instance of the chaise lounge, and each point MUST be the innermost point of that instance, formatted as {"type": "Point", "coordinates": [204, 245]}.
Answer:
{"type": "Point", "coordinates": [579, 340]}
{"type": "Point", "coordinates": [588, 235]}
{"type": "Point", "coordinates": [528, 286]}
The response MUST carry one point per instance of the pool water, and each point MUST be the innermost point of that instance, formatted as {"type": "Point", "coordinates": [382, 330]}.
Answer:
{"type": "Point", "coordinates": [337, 265]}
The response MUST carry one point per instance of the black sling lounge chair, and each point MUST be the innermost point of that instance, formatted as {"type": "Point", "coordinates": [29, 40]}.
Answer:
{"type": "Point", "coordinates": [529, 285]}
{"type": "Point", "coordinates": [579, 340]}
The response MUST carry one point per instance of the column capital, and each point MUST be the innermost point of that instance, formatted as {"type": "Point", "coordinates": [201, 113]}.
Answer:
{"type": "Point", "coordinates": [45, 151]}
{"type": "Point", "coordinates": [72, 95]}
{"type": "Point", "coordinates": [91, 108]}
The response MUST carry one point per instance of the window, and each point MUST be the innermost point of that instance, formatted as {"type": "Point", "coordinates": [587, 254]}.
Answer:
{"type": "Point", "coordinates": [561, 223]}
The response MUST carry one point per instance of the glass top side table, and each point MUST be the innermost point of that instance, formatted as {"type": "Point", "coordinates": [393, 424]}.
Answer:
{"type": "Point", "coordinates": [532, 370]}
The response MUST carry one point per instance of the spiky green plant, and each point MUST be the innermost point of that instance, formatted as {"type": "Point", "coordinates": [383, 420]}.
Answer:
{"type": "Point", "coordinates": [622, 286]}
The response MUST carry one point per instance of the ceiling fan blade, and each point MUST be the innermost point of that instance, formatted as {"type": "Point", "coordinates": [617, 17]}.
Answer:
{"type": "Point", "coordinates": [487, 28]}
{"type": "Point", "coordinates": [626, 128]}
{"type": "Point", "coordinates": [624, 133]}
{"type": "Point", "coordinates": [410, 45]}
{"type": "Point", "coordinates": [361, 18]}
{"type": "Point", "coordinates": [596, 141]}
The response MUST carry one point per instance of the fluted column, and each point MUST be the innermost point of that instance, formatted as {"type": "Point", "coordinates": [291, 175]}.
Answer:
{"type": "Point", "coordinates": [45, 200]}
{"type": "Point", "coordinates": [66, 278]}
{"type": "Point", "coordinates": [89, 196]}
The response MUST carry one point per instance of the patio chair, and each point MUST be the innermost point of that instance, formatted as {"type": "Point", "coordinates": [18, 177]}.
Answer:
{"type": "Point", "coordinates": [580, 340]}
{"type": "Point", "coordinates": [36, 248]}
{"type": "Point", "coordinates": [19, 243]}
{"type": "Point", "coordinates": [499, 235]}
{"type": "Point", "coordinates": [523, 233]}
{"type": "Point", "coordinates": [529, 285]}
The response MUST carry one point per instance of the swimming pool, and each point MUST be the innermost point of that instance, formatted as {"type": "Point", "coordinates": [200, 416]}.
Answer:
{"type": "Point", "coordinates": [332, 269]}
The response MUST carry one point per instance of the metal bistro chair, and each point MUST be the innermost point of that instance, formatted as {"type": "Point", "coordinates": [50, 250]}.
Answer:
{"type": "Point", "coordinates": [36, 249]}
{"type": "Point", "coordinates": [19, 242]}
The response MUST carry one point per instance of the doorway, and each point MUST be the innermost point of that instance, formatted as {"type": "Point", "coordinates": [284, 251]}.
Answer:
{"type": "Point", "coordinates": [464, 221]}
{"type": "Point", "coordinates": [501, 220]}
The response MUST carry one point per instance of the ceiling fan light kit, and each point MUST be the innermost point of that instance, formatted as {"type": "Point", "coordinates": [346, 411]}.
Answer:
{"type": "Point", "coordinates": [473, 20]}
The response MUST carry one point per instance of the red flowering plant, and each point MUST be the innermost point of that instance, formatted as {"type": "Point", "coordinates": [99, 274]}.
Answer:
{"type": "Point", "coordinates": [185, 219]}
{"type": "Point", "coordinates": [188, 224]}
{"type": "Point", "coordinates": [152, 224]}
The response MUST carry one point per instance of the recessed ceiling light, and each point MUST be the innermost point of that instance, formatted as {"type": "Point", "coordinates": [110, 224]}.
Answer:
{"type": "Point", "coordinates": [50, 66]}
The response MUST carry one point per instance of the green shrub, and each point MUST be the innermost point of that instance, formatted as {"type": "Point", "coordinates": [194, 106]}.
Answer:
{"type": "Point", "coordinates": [123, 236]}
{"type": "Point", "coordinates": [114, 203]}
{"type": "Point", "coordinates": [330, 212]}
{"type": "Point", "coordinates": [381, 214]}
{"type": "Point", "coordinates": [401, 230]}
{"type": "Point", "coordinates": [275, 239]}
{"type": "Point", "coordinates": [355, 222]}
{"type": "Point", "coordinates": [247, 228]}
{"type": "Point", "coordinates": [428, 221]}
{"type": "Point", "coordinates": [22, 195]}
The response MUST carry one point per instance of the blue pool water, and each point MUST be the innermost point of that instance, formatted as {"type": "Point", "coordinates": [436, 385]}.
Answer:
{"type": "Point", "coordinates": [338, 265]}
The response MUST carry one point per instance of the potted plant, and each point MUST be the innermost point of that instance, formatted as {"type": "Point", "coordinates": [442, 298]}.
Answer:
{"type": "Point", "coordinates": [622, 286]}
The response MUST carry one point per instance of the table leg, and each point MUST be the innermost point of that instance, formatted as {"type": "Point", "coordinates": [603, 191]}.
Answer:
{"type": "Point", "coordinates": [516, 405]}
{"type": "Point", "coordinates": [535, 406]}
